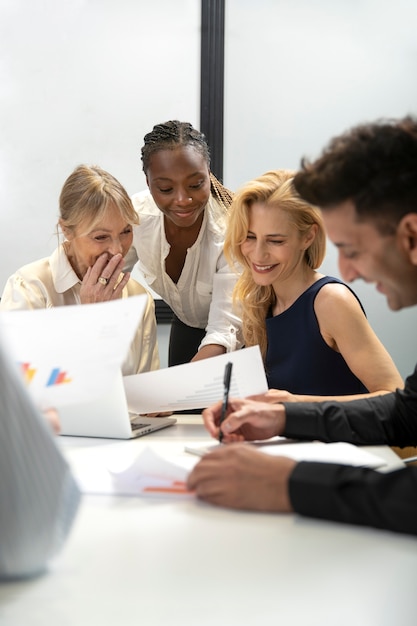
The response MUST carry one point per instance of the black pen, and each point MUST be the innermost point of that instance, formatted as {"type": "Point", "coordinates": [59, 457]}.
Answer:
{"type": "Point", "coordinates": [226, 384]}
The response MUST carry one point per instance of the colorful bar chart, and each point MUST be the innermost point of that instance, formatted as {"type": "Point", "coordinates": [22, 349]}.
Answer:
{"type": "Point", "coordinates": [58, 377]}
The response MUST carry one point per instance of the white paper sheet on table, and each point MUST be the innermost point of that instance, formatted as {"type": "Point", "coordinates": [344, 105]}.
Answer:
{"type": "Point", "coordinates": [68, 354]}
{"type": "Point", "coordinates": [196, 385]}
{"type": "Point", "coordinates": [111, 470]}
{"type": "Point", "coordinates": [339, 452]}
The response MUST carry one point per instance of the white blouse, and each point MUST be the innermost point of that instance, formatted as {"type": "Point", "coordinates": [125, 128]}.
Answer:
{"type": "Point", "coordinates": [51, 282]}
{"type": "Point", "coordinates": [202, 297]}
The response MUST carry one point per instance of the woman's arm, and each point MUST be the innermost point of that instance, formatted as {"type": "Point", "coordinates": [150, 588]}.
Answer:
{"type": "Point", "coordinates": [345, 329]}
{"type": "Point", "coordinates": [224, 327]}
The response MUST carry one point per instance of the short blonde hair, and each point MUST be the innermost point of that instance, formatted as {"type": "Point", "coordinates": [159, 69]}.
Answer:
{"type": "Point", "coordinates": [87, 194]}
{"type": "Point", "coordinates": [274, 189]}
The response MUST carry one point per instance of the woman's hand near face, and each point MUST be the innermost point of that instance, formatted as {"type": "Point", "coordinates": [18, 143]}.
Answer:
{"type": "Point", "coordinates": [102, 282]}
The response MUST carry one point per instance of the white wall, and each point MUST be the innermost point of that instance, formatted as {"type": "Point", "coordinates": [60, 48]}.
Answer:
{"type": "Point", "coordinates": [83, 81]}
{"type": "Point", "coordinates": [300, 71]}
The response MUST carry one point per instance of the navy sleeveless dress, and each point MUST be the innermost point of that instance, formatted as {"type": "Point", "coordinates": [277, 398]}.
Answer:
{"type": "Point", "coordinates": [298, 359]}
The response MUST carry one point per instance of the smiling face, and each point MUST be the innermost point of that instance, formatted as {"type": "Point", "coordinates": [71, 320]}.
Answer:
{"type": "Point", "coordinates": [388, 260]}
{"type": "Point", "coordinates": [179, 182]}
{"type": "Point", "coordinates": [111, 234]}
{"type": "Point", "coordinates": [274, 249]}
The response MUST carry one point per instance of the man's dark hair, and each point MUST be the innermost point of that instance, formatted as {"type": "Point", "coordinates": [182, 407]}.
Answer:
{"type": "Point", "coordinates": [373, 165]}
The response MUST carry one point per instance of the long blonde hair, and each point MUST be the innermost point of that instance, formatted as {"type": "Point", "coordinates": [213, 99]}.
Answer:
{"type": "Point", "coordinates": [274, 189]}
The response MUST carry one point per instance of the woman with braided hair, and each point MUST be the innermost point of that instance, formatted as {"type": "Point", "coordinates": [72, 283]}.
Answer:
{"type": "Point", "coordinates": [179, 242]}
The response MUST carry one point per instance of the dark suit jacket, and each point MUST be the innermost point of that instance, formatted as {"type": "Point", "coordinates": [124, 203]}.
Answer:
{"type": "Point", "coordinates": [350, 494]}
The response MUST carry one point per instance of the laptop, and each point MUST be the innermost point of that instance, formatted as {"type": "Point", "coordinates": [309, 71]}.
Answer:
{"type": "Point", "coordinates": [108, 416]}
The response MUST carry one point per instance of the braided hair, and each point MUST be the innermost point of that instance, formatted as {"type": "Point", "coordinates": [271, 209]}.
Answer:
{"type": "Point", "coordinates": [171, 135]}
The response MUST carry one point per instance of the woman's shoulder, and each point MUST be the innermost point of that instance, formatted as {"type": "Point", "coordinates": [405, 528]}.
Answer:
{"type": "Point", "coordinates": [216, 218]}
{"type": "Point", "coordinates": [33, 270]}
{"type": "Point", "coordinates": [144, 204]}
{"type": "Point", "coordinates": [332, 293]}
{"type": "Point", "coordinates": [28, 284]}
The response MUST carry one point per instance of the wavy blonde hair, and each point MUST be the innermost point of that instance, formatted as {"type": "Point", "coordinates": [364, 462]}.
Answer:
{"type": "Point", "coordinates": [273, 189]}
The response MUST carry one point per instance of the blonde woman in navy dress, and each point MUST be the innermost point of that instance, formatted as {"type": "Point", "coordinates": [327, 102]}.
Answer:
{"type": "Point", "coordinates": [312, 329]}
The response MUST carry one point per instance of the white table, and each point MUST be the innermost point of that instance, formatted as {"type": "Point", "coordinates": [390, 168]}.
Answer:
{"type": "Point", "coordinates": [159, 562]}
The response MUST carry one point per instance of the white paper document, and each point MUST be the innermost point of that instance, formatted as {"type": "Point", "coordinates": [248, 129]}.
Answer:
{"type": "Point", "coordinates": [196, 385]}
{"type": "Point", "coordinates": [110, 470]}
{"type": "Point", "coordinates": [115, 470]}
{"type": "Point", "coordinates": [339, 452]}
{"type": "Point", "coordinates": [69, 354]}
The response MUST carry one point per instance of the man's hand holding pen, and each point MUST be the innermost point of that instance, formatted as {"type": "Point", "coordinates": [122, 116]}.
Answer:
{"type": "Point", "coordinates": [240, 476]}
{"type": "Point", "coordinates": [244, 420]}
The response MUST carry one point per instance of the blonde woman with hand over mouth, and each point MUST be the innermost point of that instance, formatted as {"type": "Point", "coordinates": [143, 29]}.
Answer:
{"type": "Point", "coordinates": [97, 219]}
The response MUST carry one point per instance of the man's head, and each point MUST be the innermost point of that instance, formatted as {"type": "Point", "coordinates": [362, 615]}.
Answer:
{"type": "Point", "coordinates": [366, 185]}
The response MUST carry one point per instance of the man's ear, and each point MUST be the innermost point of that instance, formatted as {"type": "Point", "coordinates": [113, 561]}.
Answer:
{"type": "Point", "coordinates": [407, 231]}
{"type": "Point", "coordinates": [147, 181]}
